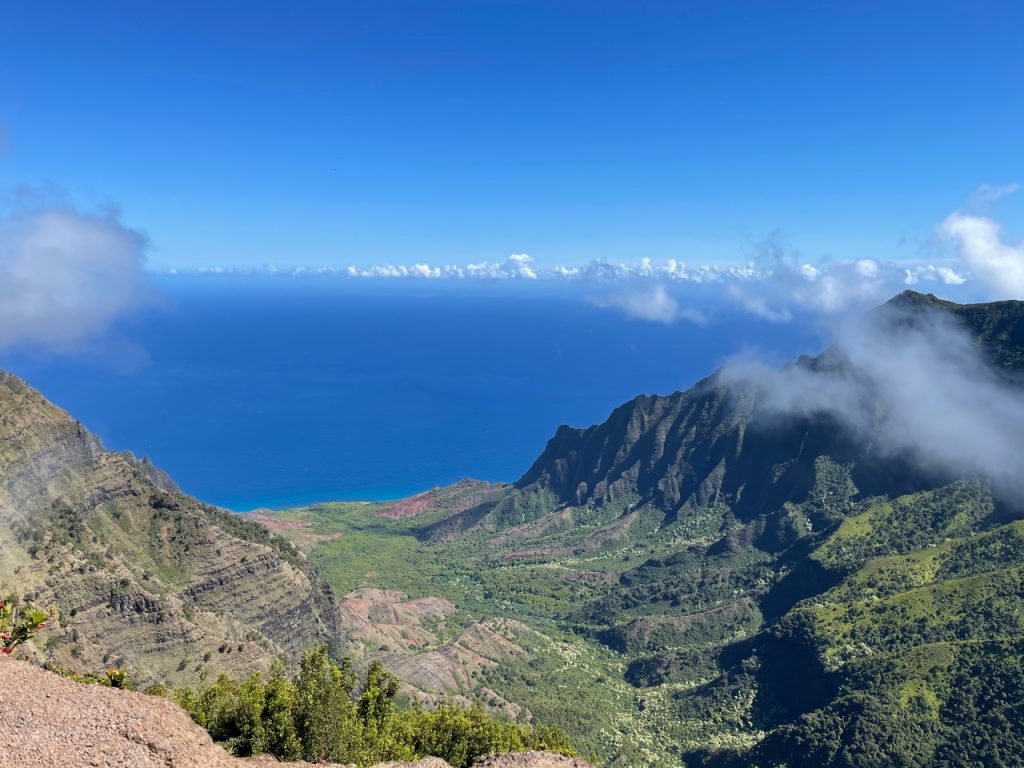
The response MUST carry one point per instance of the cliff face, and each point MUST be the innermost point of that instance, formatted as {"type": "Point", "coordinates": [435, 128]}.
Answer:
{"type": "Point", "coordinates": [667, 450]}
{"type": "Point", "coordinates": [708, 445]}
{"type": "Point", "coordinates": [140, 574]}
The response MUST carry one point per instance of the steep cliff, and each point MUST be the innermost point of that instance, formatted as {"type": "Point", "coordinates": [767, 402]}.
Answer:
{"type": "Point", "coordinates": [141, 575]}
{"type": "Point", "coordinates": [712, 443]}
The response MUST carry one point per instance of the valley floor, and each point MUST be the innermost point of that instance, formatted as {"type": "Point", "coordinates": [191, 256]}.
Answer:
{"type": "Point", "coordinates": [498, 619]}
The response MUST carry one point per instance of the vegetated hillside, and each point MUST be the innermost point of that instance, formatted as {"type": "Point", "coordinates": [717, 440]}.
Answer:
{"type": "Point", "coordinates": [140, 574]}
{"type": "Point", "coordinates": [697, 579]}
{"type": "Point", "coordinates": [916, 651]}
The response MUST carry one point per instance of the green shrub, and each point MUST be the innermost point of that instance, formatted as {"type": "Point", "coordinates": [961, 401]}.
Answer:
{"type": "Point", "coordinates": [117, 677]}
{"type": "Point", "coordinates": [318, 716]}
{"type": "Point", "coordinates": [461, 736]}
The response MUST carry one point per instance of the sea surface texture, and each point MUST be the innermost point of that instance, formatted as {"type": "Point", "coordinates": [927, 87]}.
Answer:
{"type": "Point", "coordinates": [281, 391]}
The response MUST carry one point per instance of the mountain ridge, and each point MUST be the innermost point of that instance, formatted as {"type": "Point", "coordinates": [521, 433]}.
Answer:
{"type": "Point", "coordinates": [647, 446]}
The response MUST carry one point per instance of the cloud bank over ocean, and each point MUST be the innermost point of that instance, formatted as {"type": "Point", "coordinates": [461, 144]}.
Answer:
{"type": "Point", "coordinates": [67, 275]}
{"type": "Point", "coordinates": [776, 288]}
{"type": "Point", "coordinates": [971, 260]}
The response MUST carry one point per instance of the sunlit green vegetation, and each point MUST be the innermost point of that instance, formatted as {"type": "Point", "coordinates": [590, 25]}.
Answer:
{"type": "Point", "coordinates": [320, 714]}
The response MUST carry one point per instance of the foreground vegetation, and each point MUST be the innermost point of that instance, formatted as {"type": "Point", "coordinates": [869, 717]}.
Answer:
{"type": "Point", "coordinates": [320, 715]}
{"type": "Point", "coordinates": [18, 623]}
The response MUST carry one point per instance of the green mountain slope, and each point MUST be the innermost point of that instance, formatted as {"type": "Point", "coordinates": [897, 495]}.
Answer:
{"type": "Point", "coordinates": [140, 574]}
{"type": "Point", "coordinates": [923, 644]}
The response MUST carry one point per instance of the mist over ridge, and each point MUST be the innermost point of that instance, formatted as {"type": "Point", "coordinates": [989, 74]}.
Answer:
{"type": "Point", "coordinates": [906, 380]}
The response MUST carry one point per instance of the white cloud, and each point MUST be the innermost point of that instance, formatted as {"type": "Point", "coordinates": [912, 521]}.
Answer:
{"type": "Point", "coordinates": [759, 305]}
{"type": "Point", "coordinates": [944, 275]}
{"type": "Point", "coordinates": [779, 281]}
{"type": "Point", "coordinates": [66, 276]}
{"type": "Point", "coordinates": [652, 303]}
{"type": "Point", "coordinates": [998, 265]}
{"type": "Point", "coordinates": [425, 270]}
{"type": "Point", "coordinates": [776, 284]}
{"type": "Point", "coordinates": [518, 265]}
{"type": "Point", "coordinates": [521, 266]}
{"type": "Point", "coordinates": [868, 268]}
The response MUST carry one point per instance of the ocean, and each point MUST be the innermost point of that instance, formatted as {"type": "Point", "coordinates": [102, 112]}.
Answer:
{"type": "Point", "coordinates": [264, 391]}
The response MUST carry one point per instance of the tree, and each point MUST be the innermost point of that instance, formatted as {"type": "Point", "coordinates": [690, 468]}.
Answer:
{"type": "Point", "coordinates": [325, 712]}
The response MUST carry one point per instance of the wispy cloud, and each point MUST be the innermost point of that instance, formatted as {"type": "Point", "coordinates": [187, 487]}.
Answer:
{"type": "Point", "coordinates": [930, 272]}
{"type": "Point", "coordinates": [652, 303]}
{"type": "Point", "coordinates": [66, 276]}
{"type": "Point", "coordinates": [785, 281]}
{"type": "Point", "coordinates": [987, 194]}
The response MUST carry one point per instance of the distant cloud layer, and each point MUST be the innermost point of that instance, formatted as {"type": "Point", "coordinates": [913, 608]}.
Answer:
{"type": "Point", "coordinates": [66, 276]}
{"type": "Point", "coordinates": [777, 283]}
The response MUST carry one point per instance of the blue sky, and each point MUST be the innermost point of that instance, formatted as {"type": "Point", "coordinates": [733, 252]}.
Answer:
{"type": "Point", "coordinates": [365, 133]}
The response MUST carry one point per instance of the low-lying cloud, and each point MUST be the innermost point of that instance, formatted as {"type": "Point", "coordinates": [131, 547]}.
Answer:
{"type": "Point", "coordinates": [66, 276]}
{"type": "Point", "coordinates": [913, 385]}
{"type": "Point", "coordinates": [516, 266]}
{"type": "Point", "coordinates": [652, 303]}
{"type": "Point", "coordinates": [775, 285]}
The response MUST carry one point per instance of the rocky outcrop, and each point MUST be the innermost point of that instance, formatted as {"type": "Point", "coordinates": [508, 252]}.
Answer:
{"type": "Point", "coordinates": [50, 722]}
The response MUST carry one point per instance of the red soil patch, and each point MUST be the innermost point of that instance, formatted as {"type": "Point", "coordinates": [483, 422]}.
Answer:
{"type": "Point", "coordinates": [414, 505]}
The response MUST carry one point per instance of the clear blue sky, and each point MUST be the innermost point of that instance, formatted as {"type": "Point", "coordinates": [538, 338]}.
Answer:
{"type": "Point", "coordinates": [343, 133]}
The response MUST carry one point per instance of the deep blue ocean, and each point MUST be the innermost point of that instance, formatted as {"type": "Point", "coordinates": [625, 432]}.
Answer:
{"type": "Point", "coordinates": [279, 391]}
